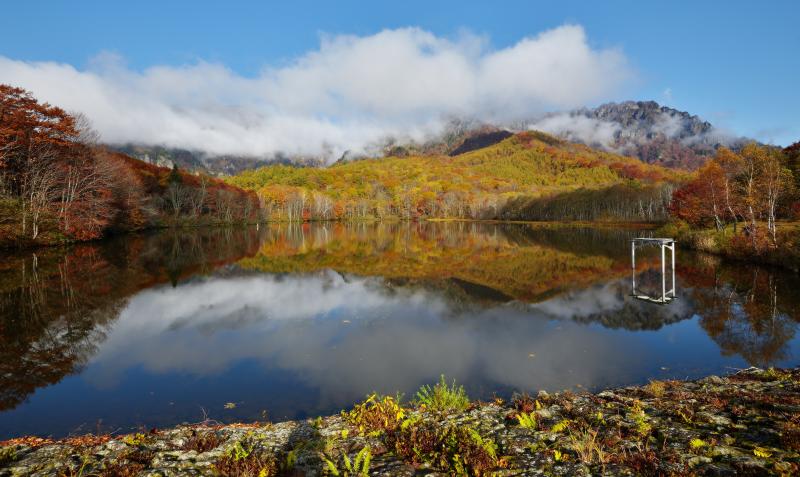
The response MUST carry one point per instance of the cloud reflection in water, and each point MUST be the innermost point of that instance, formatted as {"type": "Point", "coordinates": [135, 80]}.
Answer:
{"type": "Point", "coordinates": [348, 336]}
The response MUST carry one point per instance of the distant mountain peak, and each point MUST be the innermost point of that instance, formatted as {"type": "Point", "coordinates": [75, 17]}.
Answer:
{"type": "Point", "coordinates": [647, 130]}
{"type": "Point", "coordinates": [654, 133]}
{"type": "Point", "coordinates": [651, 114]}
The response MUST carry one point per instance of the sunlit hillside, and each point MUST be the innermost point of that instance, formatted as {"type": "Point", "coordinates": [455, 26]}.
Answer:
{"type": "Point", "coordinates": [477, 184]}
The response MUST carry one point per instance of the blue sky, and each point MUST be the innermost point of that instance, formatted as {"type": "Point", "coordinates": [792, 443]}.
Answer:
{"type": "Point", "coordinates": [733, 63]}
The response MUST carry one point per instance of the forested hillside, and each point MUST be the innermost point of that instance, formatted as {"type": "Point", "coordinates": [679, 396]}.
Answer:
{"type": "Point", "coordinates": [486, 183]}
{"type": "Point", "coordinates": [57, 185]}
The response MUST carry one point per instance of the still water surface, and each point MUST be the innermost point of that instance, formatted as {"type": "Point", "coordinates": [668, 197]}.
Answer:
{"type": "Point", "coordinates": [290, 322]}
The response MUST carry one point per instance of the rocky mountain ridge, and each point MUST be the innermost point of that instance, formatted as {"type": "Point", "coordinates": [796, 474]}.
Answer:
{"type": "Point", "coordinates": [653, 133]}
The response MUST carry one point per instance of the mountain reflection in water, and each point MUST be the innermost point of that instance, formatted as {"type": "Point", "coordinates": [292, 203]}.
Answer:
{"type": "Point", "coordinates": [300, 320]}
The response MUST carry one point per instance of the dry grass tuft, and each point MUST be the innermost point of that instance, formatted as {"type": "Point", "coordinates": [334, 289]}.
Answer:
{"type": "Point", "coordinates": [202, 442]}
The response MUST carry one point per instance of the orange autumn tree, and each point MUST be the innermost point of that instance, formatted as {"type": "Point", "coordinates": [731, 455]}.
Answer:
{"type": "Point", "coordinates": [29, 129]}
{"type": "Point", "coordinates": [702, 199]}
{"type": "Point", "coordinates": [749, 186]}
{"type": "Point", "coordinates": [32, 138]}
{"type": "Point", "coordinates": [56, 184]}
{"type": "Point", "coordinates": [48, 163]}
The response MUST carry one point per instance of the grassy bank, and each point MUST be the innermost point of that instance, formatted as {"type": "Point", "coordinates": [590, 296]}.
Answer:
{"type": "Point", "coordinates": [739, 246]}
{"type": "Point", "coordinates": [743, 424]}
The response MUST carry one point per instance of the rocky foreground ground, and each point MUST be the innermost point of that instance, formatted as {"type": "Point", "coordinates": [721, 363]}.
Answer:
{"type": "Point", "coordinates": [747, 423]}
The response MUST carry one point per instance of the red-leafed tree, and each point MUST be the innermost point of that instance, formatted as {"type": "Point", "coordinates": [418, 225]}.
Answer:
{"type": "Point", "coordinates": [33, 136]}
{"type": "Point", "coordinates": [702, 199]}
{"type": "Point", "coordinates": [27, 127]}
{"type": "Point", "coordinates": [54, 178]}
{"type": "Point", "coordinates": [748, 186]}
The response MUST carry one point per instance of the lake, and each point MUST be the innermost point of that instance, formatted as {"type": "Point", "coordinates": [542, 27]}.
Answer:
{"type": "Point", "coordinates": [293, 321]}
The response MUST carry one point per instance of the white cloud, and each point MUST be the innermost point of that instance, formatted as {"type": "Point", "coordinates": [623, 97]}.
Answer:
{"type": "Point", "coordinates": [623, 137]}
{"type": "Point", "coordinates": [579, 128]}
{"type": "Point", "coordinates": [349, 93]}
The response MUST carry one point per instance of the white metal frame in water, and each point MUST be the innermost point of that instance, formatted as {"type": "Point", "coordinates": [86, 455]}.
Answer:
{"type": "Point", "coordinates": [664, 243]}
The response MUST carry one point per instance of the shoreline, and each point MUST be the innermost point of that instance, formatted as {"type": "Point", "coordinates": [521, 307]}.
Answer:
{"type": "Point", "coordinates": [720, 244]}
{"type": "Point", "coordinates": [744, 423]}
{"type": "Point", "coordinates": [695, 240]}
{"type": "Point", "coordinates": [38, 245]}
{"type": "Point", "coordinates": [35, 245]}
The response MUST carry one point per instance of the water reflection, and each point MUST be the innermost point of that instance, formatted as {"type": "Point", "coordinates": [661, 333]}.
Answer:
{"type": "Point", "coordinates": [301, 320]}
{"type": "Point", "coordinates": [58, 305]}
{"type": "Point", "coordinates": [748, 311]}
{"type": "Point", "coordinates": [666, 295]}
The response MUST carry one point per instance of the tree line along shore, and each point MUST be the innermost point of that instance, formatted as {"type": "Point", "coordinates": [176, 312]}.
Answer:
{"type": "Point", "coordinates": [57, 185]}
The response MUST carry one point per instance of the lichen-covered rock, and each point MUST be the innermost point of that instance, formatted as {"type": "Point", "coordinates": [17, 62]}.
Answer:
{"type": "Point", "coordinates": [746, 423]}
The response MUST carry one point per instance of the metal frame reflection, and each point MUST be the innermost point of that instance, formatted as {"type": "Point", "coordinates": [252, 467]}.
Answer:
{"type": "Point", "coordinates": [664, 243]}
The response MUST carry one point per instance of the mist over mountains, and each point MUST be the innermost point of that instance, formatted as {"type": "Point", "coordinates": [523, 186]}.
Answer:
{"type": "Point", "coordinates": [645, 130]}
{"type": "Point", "coordinates": [341, 97]}
{"type": "Point", "coordinates": [394, 92]}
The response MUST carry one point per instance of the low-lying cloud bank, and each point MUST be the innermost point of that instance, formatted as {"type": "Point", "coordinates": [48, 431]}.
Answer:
{"type": "Point", "coordinates": [615, 135]}
{"type": "Point", "coordinates": [655, 134]}
{"type": "Point", "coordinates": [350, 93]}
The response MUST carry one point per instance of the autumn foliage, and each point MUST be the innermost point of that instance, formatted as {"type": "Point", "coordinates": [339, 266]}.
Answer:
{"type": "Point", "coordinates": [56, 184]}
{"type": "Point", "coordinates": [478, 184]}
{"type": "Point", "coordinates": [748, 189]}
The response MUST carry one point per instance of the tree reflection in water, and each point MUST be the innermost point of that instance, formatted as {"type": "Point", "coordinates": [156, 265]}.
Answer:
{"type": "Point", "coordinates": [57, 306]}
{"type": "Point", "coordinates": [747, 310]}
